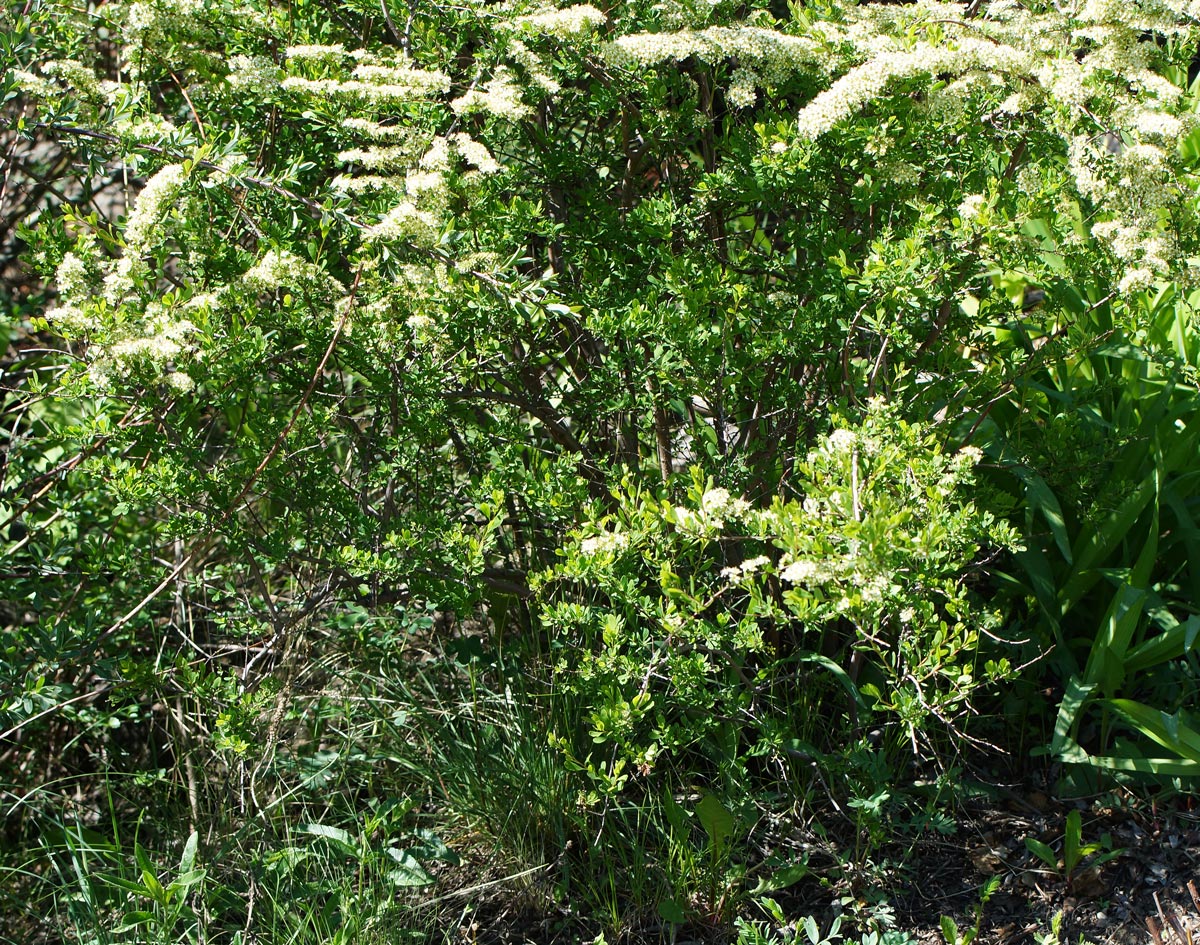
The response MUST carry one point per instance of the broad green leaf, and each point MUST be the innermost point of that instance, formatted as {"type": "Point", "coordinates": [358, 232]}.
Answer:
{"type": "Point", "coordinates": [134, 919]}
{"type": "Point", "coordinates": [340, 838]}
{"type": "Point", "coordinates": [1106, 661]}
{"type": "Point", "coordinates": [127, 885]}
{"type": "Point", "coordinates": [716, 820]}
{"type": "Point", "coordinates": [408, 870]}
{"type": "Point", "coordinates": [432, 847]}
{"type": "Point", "coordinates": [782, 878]}
{"type": "Point", "coordinates": [1042, 851]}
{"type": "Point", "coordinates": [1168, 645]}
{"type": "Point", "coordinates": [188, 859]}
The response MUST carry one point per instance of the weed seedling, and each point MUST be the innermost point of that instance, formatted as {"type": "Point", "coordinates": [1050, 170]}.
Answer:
{"type": "Point", "coordinates": [1075, 851]}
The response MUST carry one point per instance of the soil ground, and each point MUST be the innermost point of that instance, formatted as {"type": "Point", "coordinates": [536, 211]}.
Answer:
{"type": "Point", "coordinates": [1146, 894]}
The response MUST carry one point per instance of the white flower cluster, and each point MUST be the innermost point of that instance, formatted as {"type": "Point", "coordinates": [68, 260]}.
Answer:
{"type": "Point", "coordinates": [154, 343]}
{"type": "Point", "coordinates": [424, 81]}
{"type": "Point", "coordinates": [973, 209]}
{"type": "Point", "coordinates": [862, 84]}
{"type": "Point", "coordinates": [376, 131]}
{"type": "Point", "coordinates": [34, 85]}
{"type": "Point", "coordinates": [739, 573]}
{"type": "Point", "coordinates": [603, 544]}
{"type": "Point", "coordinates": [79, 78]}
{"type": "Point", "coordinates": [774, 56]}
{"type": "Point", "coordinates": [407, 222]}
{"type": "Point", "coordinates": [144, 129]}
{"type": "Point", "coordinates": [809, 572]}
{"type": "Point", "coordinates": [743, 88]}
{"type": "Point", "coordinates": [279, 269]}
{"type": "Point", "coordinates": [1135, 185]}
{"type": "Point", "coordinates": [500, 97]}
{"type": "Point", "coordinates": [474, 153]}
{"type": "Point", "coordinates": [334, 52]}
{"type": "Point", "coordinates": [256, 75]}
{"type": "Point", "coordinates": [1154, 124]}
{"type": "Point", "coordinates": [144, 18]}
{"type": "Point", "coordinates": [716, 506]}
{"type": "Point", "coordinates": [77, 274]}
{"type": "Point", "coordinates": [122, 281]}
{"type": "Point", "coordinates": [381, 83]}
{"type": "Point", "coordinates": [534, 67]}
{"type": "Point", "coordinates": [764, 56]}
{"type": "Point", "coordinates": [840, 441]}
{"type": "Point", "coordinates": [567, 23]}
{"type": "Point", "coordinates": [377, 159]}
{"type": "Point", "coordinates": [153, 203]}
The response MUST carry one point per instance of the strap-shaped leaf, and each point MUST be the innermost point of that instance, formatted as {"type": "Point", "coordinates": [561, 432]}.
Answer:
{"type": "Point", "coordinates": [1168, 730]}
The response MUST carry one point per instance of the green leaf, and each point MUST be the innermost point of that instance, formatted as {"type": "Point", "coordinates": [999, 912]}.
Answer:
{"type": "Point", "coordinates": [1042, 852]}
{"type": "Point", "coordinates": [716, 820]}
{"type": "Point", "coordinates": [432, 847]}
{"type": "Point", "coordinates": [125, 884]}
{"type": "Point", "coordinates": [1106, 661]}
{"type": "Point", "coordinates": [188, 859]}
{"type": "Point", "coordinates": [671, 911]}
{"type": "Point", "coordinates": [949, 930]}
{"type": "Point", "coordinates": [1042, 500]}
{"type": "Point", "coordinates": [1068, 714]}
{"type": "Point", "coordinates": [1168, 730]}
{"type": "Point", "coordinates": [408, 871]}
{"type": "Point", "coordinates": [342, 839]}
{"type": "Point", "coordinates": [782, 878]}
{"type": "Point", "coordinates": [1072, 840]}
{"type": "Point", "coordinates": [134, 919]}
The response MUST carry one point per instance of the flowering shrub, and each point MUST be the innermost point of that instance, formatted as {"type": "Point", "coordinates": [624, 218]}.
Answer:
{"type": "Point", "coordinates": [537, 317]}
{"type": "Point", "coordinates": [680, 621]}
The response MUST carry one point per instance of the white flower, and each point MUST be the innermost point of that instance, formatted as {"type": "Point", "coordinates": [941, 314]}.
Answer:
{"type": "Point", "coordinates": [1135, 280]}
{"type": "Point", "coordinates": [969, 455]}
{"type": "Point", "coordinates": [377, 131]}
{"type": "Point", "coordinates": [842, 440]}
{"type": "Point", "coordinates": [276, 270]}
{"type": "Point", "coordinates": [153, 203]}
{"type": "Point", "coordinates": [406, 222]}
{"type": "Point", "coordinates": [35, 85]}
{"type": "Point", "coordinates": [567, 23]}
{"type": "Point", "coordinates": [743, 89]}
{"type": "Point", "coordinates": [315, 53]}
{"type": "Point", "coordinates": [972, 209]}
{"type": "Point", "coordinates": [604, 543]}
{"type": "Point", "coordinates": [75, 277]}
{"type": "Point", "coordinates": [378, 159]}
{"type": "Point", "coordinates": [474, 153]}
{"type": "Point", "coordinates": [257, 75]}
{"type": "Point", "coordinates": [802, 571]}
{"type": "Point", "coordinates": [120, 283]}
{"type": "Point", "coordinates": [500, 97]}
